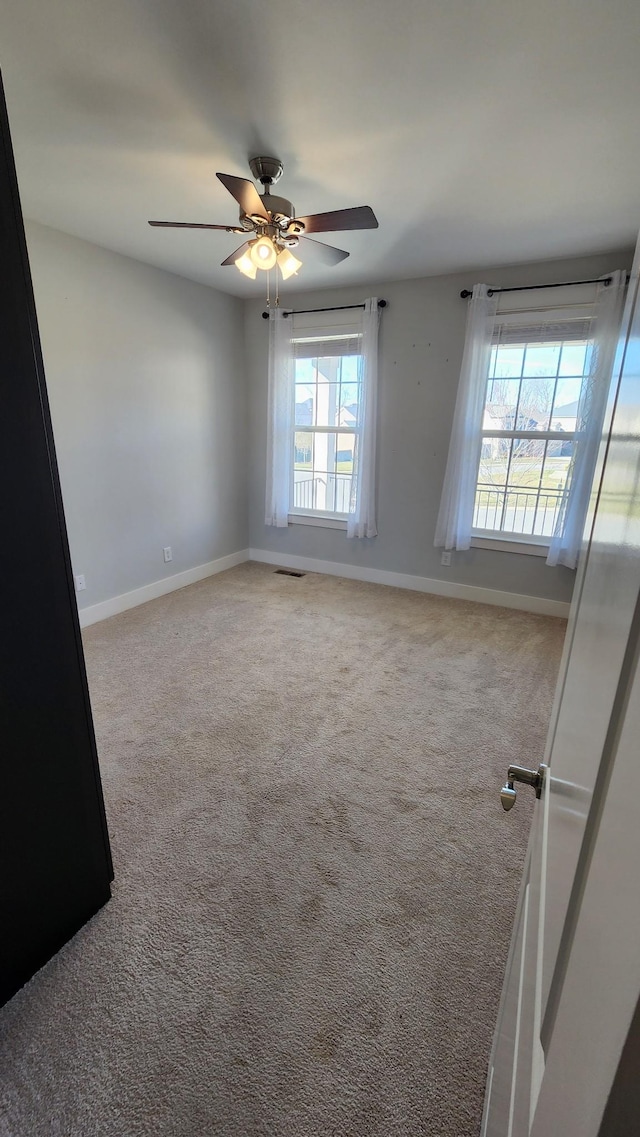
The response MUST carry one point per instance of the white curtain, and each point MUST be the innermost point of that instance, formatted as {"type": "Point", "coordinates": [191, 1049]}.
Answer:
{"type": "Point", "coordinates": [279, 419]}
{"type": "Point", "coordinates": [361, 521]}
{"type": "Point", "coordinates": [570, 523]}
{"type": "Point", "coordinates": [567, 537]}
{"type": "Point", "coordinates": [453, 529]}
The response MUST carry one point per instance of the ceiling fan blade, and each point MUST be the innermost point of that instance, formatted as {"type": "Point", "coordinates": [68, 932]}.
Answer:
{"type": "Point", "coordinates": [195, 225]}
{"type": "Point", "coordinates": [360, 217]}
{"type": "Point", "coordinates": [232, 258]}
{"type": "Point", "coordinates": [245, 194]}
{"type": "Point", "coordinates": [327, 253]}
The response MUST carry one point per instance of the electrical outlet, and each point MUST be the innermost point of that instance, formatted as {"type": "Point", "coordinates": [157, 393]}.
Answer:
{"type": "Point", "coordinates": [445, 559]}
{"type": "Point", "coordinates": [167, 554]}
{"type": "Point", "coordinates": [80, 583]}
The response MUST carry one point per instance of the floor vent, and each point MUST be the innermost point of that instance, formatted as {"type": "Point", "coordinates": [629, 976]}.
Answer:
{"type": "Point", "coordinates": [289, 572]}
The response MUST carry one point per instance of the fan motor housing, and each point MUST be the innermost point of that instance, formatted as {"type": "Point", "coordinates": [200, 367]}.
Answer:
{"type": "Point", "coordinates": [281, 210]}
{"type": "Point", "coordinates": [278, 206]}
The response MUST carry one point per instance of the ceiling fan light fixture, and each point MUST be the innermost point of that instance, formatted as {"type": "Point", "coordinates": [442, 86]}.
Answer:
{"type": "Point", "coordinates": [270, 226]}
{"type": "Point", "coordinates": [288, 264]}
{"type": "Point", "coordinates": [246, 266]}
{"type": "Point", "coordinates": [263, 253]}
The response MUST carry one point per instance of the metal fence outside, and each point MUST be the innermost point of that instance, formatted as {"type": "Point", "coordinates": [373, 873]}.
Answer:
{"type": "Point", "coordinates": [331, 493]}
{"type": "Point", "coordinates": [511, 509]}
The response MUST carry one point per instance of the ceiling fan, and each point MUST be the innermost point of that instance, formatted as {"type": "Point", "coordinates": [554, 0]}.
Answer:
{"type": "Point", "coordinates": [274, 226]}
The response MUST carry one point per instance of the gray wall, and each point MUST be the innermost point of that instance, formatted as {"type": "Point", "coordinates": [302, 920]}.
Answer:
{"type": "Point", "coordinates": [421, 341]}
{"type": "Point", "coordinates": [158, 398]}
{"type": "Point", "coordinates": [145, 377]}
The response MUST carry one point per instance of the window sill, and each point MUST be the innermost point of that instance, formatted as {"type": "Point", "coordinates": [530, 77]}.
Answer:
{"type": "Point", "coordinates": [312, 519]}
{"type": "Point", "coordinates": [510, 545]}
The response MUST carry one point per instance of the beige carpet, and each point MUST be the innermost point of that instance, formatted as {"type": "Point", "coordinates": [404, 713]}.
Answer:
{"type": "Point", "coordinates": [315, 880]}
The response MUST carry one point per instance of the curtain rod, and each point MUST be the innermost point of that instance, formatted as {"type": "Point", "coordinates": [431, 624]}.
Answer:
{"type": "Point", "coordinates": [530, 287]}
{"type": "Point", "coordinates": [338, 308]}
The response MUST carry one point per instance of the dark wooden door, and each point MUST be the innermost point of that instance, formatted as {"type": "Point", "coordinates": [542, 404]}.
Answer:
{"type": "Point", "coordinates": [55, 863]}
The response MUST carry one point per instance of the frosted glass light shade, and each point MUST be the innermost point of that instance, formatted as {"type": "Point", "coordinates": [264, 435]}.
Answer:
{"type": "Point", "coordinates": [246, 266]}
{"type": "Point", "coordinates": [288, 264]}
{"type": "Point", "coordinates": [263, 253]}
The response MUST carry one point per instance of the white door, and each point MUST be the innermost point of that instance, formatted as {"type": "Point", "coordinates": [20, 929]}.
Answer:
{"type": "Point", "coordinates": [560, 958]}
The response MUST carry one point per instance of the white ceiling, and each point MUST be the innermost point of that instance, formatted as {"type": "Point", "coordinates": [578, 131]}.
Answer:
{"type": "Point", "coordinates": [481, 132]}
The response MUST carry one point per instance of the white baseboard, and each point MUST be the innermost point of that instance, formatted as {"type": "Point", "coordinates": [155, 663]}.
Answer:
{"type": "Point", "coordinates": [537, 604]}
{"type": "Point", "coordinates": [128, 600]}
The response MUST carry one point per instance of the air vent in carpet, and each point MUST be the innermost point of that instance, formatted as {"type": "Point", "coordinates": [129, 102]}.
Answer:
{"type": "Point", "coordinates": [289, 572]}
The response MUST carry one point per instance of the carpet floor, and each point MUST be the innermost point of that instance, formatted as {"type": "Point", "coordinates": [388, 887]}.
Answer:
{"type": "Point", "coordinates": [315, 881]}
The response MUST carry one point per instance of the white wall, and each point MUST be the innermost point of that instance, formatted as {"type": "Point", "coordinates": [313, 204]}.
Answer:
{"type": "Point", "coordinates": [146, 383]}
{"type": "Point", "coordinates": [421, 341]}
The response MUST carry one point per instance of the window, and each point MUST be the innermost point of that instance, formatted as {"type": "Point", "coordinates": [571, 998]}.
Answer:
{"type": "Point", "coordinates": [326, 424]}
{"type": "Point", "coordinates": [322, 418]}
{"type": "Point", "coordinates": [528, 419]}
{"type": "Point", "coordinates": [528, 431]}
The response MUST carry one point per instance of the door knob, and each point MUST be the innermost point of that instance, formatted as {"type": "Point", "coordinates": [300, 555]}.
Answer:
{"type": "Point", "coordinates": [533, 778]}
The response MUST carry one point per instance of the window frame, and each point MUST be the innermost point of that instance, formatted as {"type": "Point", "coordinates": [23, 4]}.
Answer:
{"type": "Point", "coordinates": [301, 515]}
{"type": "Point", "coordinates": [504, 540]}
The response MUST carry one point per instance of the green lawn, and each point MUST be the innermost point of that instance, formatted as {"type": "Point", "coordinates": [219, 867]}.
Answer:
{"type": "Point", "coordinates": [525, 472]}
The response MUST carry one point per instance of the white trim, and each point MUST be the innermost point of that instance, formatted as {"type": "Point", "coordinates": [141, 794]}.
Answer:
{"type": "Point", "coordinates": [507, 545]}
{"type": "Point", "coordinates": [316, 519]}
{"type": "Point", "coordinates": [102, 611]}
{"type": "Point", "coordinates": [537, 604]}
